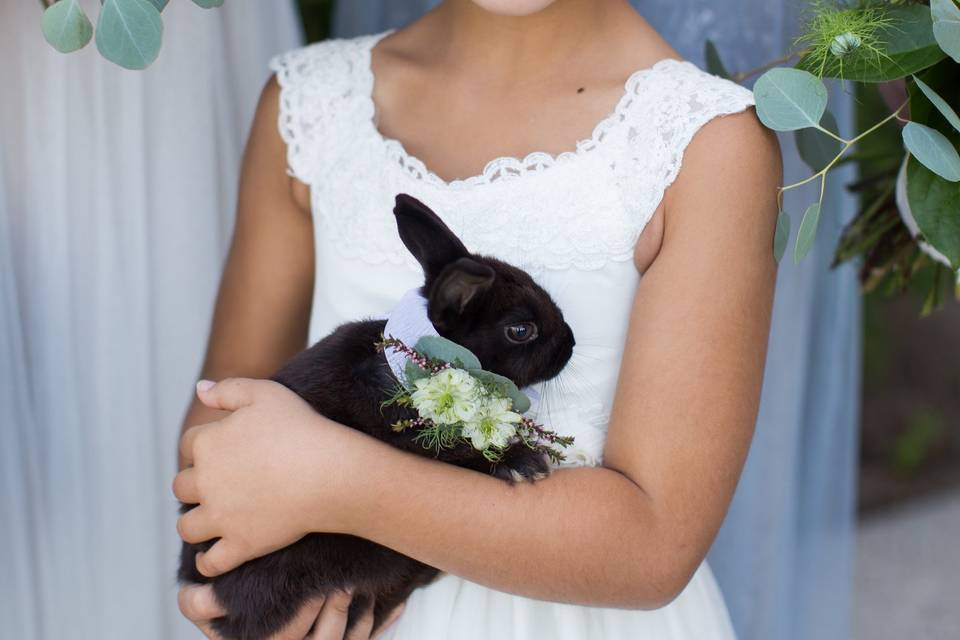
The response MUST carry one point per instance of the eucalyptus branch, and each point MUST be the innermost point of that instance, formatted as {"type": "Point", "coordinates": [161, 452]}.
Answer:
{"type": "Point", "coordinates": [46, 3]}
{"type": "Point", "coordinates": [847, 144]}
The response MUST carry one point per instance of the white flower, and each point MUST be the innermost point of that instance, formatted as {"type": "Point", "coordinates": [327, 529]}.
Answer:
{"type": "Point", "coordinates": [448, 397]}
{"type": "Point", "coordinates": [493, 424]}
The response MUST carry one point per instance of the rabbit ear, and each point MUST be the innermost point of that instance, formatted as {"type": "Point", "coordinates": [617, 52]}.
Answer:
{"type": "Point", "coordinates": [426, 236]}
{"type": "Point", "coordinates": [457, 285]}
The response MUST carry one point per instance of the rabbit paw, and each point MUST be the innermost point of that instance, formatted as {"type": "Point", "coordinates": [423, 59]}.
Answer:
{"type": "Point", "coordinates": [522, 464]}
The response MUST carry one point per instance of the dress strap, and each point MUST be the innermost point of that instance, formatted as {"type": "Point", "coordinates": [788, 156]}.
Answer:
{"type": "Point", "coordinates": [665, 112]}
{"type": "Point", "coordinates": [323, 97]}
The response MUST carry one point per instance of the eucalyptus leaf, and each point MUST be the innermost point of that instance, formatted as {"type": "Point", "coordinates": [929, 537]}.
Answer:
{"type": "Point", "coordinates": [939, 103]}
{"type": "Point", "coordinates": [130, 32]}
{"type": "Point", "coordinates": [412, 372]}
{"type": "Point", "coordinates": [807, 232]}
{"type": "Point", "coordinates": [905, 46]}
{"type": "Point", "coordinates": [66, 27]}
{"type": "Point", "coordinates": [521, 403]}
{"type": "Point", "coordinates": [439, 348]}
{"type": "Point", "coordinates": [790, 99]}
{"type": "Point", "coordinates": [816, 148]}
{"type": "Point", "coordinates": [781, 236]}
{"type": "Point", "coordinates": [935, 204]}
{"type": "Point", "coordinates": [933, 150]}
{"type": "Point", "coordinates": [160, 4]}
{"type": "Point", "coordinates": [208, 4]}
{"type": "Point", "coordinates": [714, 63]}
{"type": "Point", "coordinates": [946, 26]}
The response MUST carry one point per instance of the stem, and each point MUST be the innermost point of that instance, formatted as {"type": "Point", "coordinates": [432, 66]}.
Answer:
{"type": "Point", "coordinates": [740, 76]}
{"type": "Point", "coordinates": [846, 146]}
{"type": "Point", "coordinates": [892, 116]}
{"type": "Point", "coordinates": [46, 3]}
{"type": "Point", "coordinates": [831, 134]}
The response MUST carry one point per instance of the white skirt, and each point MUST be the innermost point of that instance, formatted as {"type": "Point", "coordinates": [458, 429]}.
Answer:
{"type": "Point", "coordinates": [454, 609]}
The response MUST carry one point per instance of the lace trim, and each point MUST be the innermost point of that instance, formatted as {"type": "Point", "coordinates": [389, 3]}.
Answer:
{"type": "Point", "coordinates": [509, 167]}
{"type": "Point", "coordinates": [652, 145]}
{"type": "Point", "coordinates": [317, 87]}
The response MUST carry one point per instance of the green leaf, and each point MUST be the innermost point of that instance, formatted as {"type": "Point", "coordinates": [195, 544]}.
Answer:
{"type": "Point", "coordinates": [160, 4]}
{"type": "Point", "coordinates": [714, 63]}
{"type": "Point", "coordinates": [129, 33]}
{"type": "Point", "coordinates": [781, 236]}
{"type": "Point", "coordinates": [939, 103]}
{"type": "Point", "coordinates": [439, 348]}
{"type": "Point", "coordinates": [933, 149]}
{"type": "Point", "coordinates": [66, 27]}
{"type": "Point", "coordinates": [906, 45]}
{"type": "Point", "coordinates": [935, 204]}
{"type": "Point", "coordinates": [946, 26]}
{"type": "Point", "coordinates": [790, 99]}
{"type": "Point", "coordinates": [807, 232]}
{"type": "Point", "coordinates": [412, 372]}
{"type": "Point", "coordinates": [208, 4]}
{"type": "Point", "coordinates": [816, 148]}
{"type": "Point", "coordinates": [521, 403]}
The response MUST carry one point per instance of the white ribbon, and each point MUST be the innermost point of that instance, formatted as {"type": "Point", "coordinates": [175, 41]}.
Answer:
{"type": "Point", "coordinates": [408, 322]}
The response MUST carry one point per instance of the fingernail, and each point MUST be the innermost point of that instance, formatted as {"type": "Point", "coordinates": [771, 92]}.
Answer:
{"type": "Point", "coordinates": [205, 385]}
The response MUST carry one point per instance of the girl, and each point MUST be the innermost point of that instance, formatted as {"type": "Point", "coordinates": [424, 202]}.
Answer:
{"type": "Point", "coordinates": [653, 233]}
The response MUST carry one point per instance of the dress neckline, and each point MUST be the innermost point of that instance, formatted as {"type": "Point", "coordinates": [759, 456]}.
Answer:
{"type": "Point", "coordinates": [504, 167]}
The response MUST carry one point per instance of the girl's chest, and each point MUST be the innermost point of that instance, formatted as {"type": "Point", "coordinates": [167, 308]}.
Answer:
{"type": "Point", "coordinates": [537, 213]}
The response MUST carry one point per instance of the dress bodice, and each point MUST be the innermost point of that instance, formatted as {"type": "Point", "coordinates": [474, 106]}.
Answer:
{"type": "Point", "coordinates": [571, 220]}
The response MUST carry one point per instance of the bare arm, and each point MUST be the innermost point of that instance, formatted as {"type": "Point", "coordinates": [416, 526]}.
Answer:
{"type": "Point", "coordinates": [630, 534]}
{"type": "Point", "coordinates": [263, 306]}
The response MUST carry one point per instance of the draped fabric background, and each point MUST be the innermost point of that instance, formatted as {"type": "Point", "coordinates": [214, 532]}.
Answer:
{"type": "Point", "coordinates": [784, 556]}
{"type": "Point", "coordinates": [116, 202]}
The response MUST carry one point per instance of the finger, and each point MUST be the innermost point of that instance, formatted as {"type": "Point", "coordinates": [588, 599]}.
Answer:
{"type": "Point", "coordinates": [195, 526]}
{"type": "Point", "coordinates": [300, 626]}
{"type": "Point", "coordinates": [332, 622]}
{"type": "Point", "coordinates": [198, 604]}
{"type": "Point", "coordinates": [188, 439]}
{"type": "Point", "coordinates": [363, 627]}
{"type": "Point", "coordinates": [389, 622]}
{"type": "Point", "coordinates": [223, 556]}
{"type": "Point", "coordinates": [185, 486]}
{"type": "Point", "coordinates": [229, 395]}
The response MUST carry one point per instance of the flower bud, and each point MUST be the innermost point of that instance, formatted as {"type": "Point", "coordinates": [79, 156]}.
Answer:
{"type": "Point", "coordinates": [845, 44]}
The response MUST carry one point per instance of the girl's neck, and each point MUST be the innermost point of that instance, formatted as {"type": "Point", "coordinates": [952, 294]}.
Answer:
{"type": "Point", "coordinates": [470, 38]}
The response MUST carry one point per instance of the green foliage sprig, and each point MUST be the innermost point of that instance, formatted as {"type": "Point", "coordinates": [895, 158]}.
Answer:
{"type": "Point", "coordinates": [910, 218]}
{"type": "Point", "coordinates": [128, 32]}
{"type": "Point", "coordinates": [458, 403]}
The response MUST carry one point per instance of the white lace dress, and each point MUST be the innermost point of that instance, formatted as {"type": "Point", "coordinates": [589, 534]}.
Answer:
{"type": "Point", "coordinates": [570, 220]}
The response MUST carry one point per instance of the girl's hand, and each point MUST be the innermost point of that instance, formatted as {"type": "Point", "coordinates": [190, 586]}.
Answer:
{"type": "Point", "coordinates": [328, 619]}
{"type": "Point", "coordinates": [261, 475]}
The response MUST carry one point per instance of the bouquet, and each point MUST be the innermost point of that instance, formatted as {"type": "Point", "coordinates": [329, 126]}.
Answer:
{"type": "Point", "coordinates": [459, 403]}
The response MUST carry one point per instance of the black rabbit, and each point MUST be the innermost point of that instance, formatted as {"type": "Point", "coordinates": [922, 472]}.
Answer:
{"type": "Point", "coordinates": [495, 310]}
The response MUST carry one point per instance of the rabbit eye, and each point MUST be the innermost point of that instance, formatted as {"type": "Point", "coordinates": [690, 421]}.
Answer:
{"type": "Point", "coordinates": [521, 332]}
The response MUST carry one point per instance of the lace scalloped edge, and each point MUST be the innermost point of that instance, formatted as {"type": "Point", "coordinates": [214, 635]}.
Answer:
{"type": "Point", "coordinates": [733, 106]}
{"type": "Point", "coordinates": [511, 167]}
{"type": "Point", "coordinates": [290, 132]}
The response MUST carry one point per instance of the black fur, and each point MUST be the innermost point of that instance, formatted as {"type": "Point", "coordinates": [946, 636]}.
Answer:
{"type": "Point", "coordinates": [471, 300]}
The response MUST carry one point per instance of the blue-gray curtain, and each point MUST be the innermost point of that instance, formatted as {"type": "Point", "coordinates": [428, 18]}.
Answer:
{"type": "Point", "coordinates": [784, 556]}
